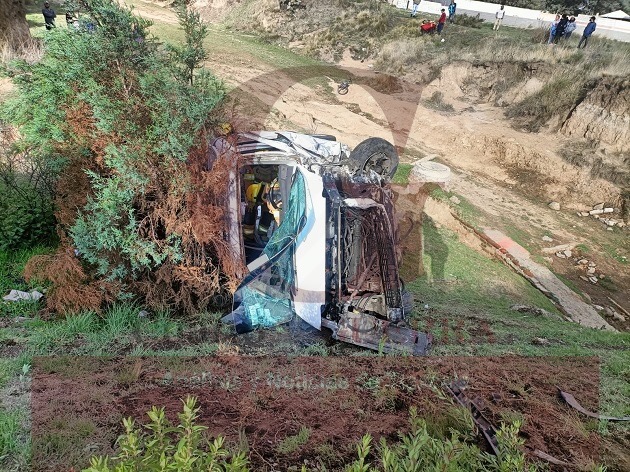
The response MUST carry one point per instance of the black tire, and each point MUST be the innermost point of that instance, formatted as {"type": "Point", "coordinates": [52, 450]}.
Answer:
{"type": "Point", "coordinates": [375, 154]}
{"type": "Point", "coordinates": [341, 90]}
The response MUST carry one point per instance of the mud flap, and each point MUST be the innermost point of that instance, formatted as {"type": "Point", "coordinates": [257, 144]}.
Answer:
{"type": "Point", "coordinates": [371, 332]}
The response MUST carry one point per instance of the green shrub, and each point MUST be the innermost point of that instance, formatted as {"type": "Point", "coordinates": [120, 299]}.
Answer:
{"type": "Point", "coordinates": [26, 216]}
{"type": "Point", "coordinates": [158, 446]}
{"type": "Point", "coordinates": [468, 20]}
{"type": "Point", "coordinates": [26, 209]}
{"type": "Point", "coordinates": [419, 450]}
{"type": "Point", "coordinates": [124, 122]}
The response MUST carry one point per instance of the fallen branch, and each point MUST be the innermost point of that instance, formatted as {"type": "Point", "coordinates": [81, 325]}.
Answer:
{"type": "Point", "coordinates": [622, 309]}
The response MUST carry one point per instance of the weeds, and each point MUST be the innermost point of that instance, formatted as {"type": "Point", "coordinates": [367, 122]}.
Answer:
{"type": "Point", "coordinates": [9, 432]}
{"type": "Point", "coordinates": [462, 19]}
{"type": "Point", "coordinates": [97, 335]}
{"type": "Point", "coordinates": [160, 446]}
{"type": "Point", "coordinates": [421, 450]}
{"type": "Point", "coordinates": [437, 102]}
{"type": "Point", "coordinates": [315, 349]}
{"type": "Point", "coordinates": [292, 443]}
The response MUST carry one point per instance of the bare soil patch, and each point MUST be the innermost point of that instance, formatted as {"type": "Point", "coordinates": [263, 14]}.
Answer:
{"type": "Point", "coordinates": [78, 402]}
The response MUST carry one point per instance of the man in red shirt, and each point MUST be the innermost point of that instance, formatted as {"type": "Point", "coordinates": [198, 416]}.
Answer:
{"type": "Point", "coordinates": [441, 21]}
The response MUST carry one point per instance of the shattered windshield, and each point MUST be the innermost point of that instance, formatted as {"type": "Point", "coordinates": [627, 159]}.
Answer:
{"type": "Point", "coordinates": [264, 298]}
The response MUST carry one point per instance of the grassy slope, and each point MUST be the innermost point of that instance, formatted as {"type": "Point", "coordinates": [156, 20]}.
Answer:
{"type": "Point", "coordinates": [473, 288]}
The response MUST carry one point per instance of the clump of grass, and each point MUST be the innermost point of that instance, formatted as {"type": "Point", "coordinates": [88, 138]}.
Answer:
{"type": "Point", "coordinates": [292, 443]}
{"type": "Point", "coordinates": [26, 49]}
{"type": "Point", "coordinates": [9, 432]}
{"type": "Point", "coordinates": [556, 98]}
{"type": "Point", "coordinates": [436, 102]}
{"type": "Point", "coordinates": [316, 349]}
{"type": "Point", "coordinates": [399, 55]}
{"type": "Point", "coordinates": [402, 174]}
{"type": "Point", "coordinates": [462, 19]}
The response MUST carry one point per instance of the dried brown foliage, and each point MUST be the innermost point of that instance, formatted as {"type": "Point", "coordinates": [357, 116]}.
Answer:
{"type": "Point", "coordinates": [85, 152]}
{"type": "Point", "coordinates": [193, 204]}
{"type": "Point", "coordinates": [187, 199]}
{"type": "Point", "coordinates": [72, 289]}
{"type": "Point", "coordinates": [139, 210]}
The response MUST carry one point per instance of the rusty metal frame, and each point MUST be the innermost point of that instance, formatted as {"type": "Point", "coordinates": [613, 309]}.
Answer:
{"type": "Point", "coordinates": [489, 432]}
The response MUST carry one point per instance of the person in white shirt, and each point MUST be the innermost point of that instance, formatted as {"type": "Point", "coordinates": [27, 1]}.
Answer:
{"type": "Point", "coordinates": [499, 18]}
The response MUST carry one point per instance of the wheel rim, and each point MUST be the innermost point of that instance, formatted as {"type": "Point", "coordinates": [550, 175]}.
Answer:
{"type": "Point", "coordinates": [379, 163]}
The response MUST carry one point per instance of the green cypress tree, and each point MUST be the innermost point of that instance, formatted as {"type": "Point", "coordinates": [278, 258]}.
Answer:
{"type": "Point", "coordinates": [119, 114]}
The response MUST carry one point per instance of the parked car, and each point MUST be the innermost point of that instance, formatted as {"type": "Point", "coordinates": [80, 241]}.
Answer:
{"type": "Point", "coordinates": [314, 224]}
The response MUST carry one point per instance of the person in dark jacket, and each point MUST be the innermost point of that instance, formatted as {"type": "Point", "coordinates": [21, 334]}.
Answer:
{"type": "Point", "coordinates": [588, 31]}
{"type": "Point", "coordinates": [560, 28]}
{"type": "Point", "coordinates": [49, 16]}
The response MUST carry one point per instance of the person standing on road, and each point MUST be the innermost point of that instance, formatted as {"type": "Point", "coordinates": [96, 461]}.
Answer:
{"type": "Point", "coordinates": [498, 18]}
{"type": "Point", "coordinates": [414, 10]}
{"type": "Point", "coordinates": [570, 28]}
{"type": "Point", "coordinates": [588, 31]}
{"type": "Point", "coordinates": [49, 16]}
{"type": "Point", "coordinates": [441, 22]}
{"type": "Point", "coordinates": [451, 11]}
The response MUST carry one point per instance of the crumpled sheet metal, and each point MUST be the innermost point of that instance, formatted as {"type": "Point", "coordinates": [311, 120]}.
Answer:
{"type": "Point", "coordinates": [572, 402]}
{"type": "Point", "coordinates": [371, 332]}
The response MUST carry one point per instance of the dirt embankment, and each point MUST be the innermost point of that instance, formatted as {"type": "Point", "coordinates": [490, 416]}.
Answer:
{"type": "Point", "coordinates": [215, 10]}
{"type": "Point", "coordinates": [604, 115]}
{"type": "Point", "coordinates": [498, 83]}
{"type": "Point", "coordinates": [593, 134]}
{"type": "Point", "coordinates": [600, 116]}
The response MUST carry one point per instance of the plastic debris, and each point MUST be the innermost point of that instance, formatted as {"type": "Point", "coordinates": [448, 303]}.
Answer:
{"type": "Point", "coordinates": [18, 295]}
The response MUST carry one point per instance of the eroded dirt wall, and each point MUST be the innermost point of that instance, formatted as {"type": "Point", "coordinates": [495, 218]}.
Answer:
{"type": "Point", "coordinates": [604, 115]}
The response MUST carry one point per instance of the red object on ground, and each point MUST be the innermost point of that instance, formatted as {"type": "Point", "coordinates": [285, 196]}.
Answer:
{"type": "Point", "coordinates": [428, 27]}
